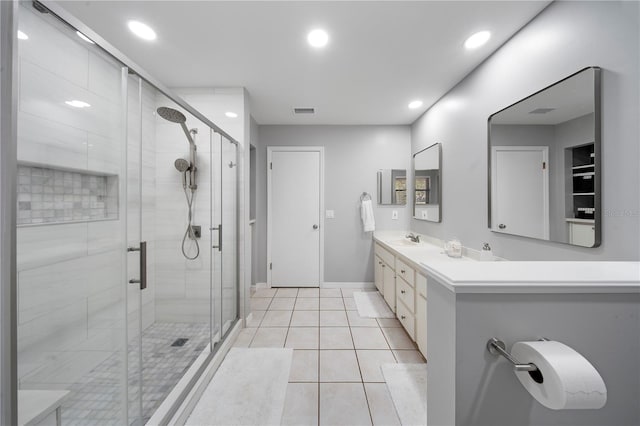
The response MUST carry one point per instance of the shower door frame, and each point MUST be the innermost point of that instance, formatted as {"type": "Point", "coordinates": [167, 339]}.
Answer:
{"type": "Point", "coordinates": [8, 194]}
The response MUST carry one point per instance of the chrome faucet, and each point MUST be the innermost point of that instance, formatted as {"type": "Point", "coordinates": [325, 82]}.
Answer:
{"type": "Point", "coordinates": [414, 238]}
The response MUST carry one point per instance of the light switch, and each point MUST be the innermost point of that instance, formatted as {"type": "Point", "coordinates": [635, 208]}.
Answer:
{"type": "Point", "coordinates": [330, 214]}
{"type": "Point", "coordinates": [394, 214]}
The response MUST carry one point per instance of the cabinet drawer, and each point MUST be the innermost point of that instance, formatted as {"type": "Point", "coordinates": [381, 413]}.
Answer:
{"type": "Point", "coordinates": [405, 271]}
{"type": "Point", "coordinates": [385, 255]}
{"type": "Point", "coordinates": [407, 319]}
{"type": "Point", "coordinates": [421, 285]}
{"type": "Point", "coordinates": [405, 293]}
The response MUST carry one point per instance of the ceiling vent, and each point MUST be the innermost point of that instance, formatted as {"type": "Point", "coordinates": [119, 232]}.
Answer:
{"type": "Point", "coordinates": [541, 110]}
{"type": "Point", "coordinates": [304, 110]}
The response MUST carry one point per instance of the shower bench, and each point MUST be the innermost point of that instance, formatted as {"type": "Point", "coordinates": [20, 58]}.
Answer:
{"type": "Point", "coordinates": [35, 405]}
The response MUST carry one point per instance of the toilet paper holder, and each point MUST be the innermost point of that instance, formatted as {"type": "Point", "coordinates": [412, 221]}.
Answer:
{"type": "Point", "coordinates": [497, 347]}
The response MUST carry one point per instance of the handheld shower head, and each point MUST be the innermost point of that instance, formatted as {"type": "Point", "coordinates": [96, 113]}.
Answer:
{"type": "Point", "coordinates": [172, 115]}
{"type": "Point", "coordinates": [181, 164]}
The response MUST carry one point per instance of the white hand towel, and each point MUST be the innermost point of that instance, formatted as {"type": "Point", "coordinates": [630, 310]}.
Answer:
{"type": "Point", "coordinates": [366, 211]}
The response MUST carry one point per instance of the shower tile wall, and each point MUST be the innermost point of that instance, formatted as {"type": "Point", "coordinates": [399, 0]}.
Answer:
{"type": "Point", "coordinates": [70, 293]}
{"type": "Point", "coordinates": [182, 286]}
{"type": "Point", "coordinates": [47, 195]}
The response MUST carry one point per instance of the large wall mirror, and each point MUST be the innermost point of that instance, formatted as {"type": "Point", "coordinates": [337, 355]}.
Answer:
{"type": "Point", "coordinates": [392, 187]}
{"type": "Point", "coordinates": [427, 188]}
{"type": "Point", "coordinates": [544, 163]}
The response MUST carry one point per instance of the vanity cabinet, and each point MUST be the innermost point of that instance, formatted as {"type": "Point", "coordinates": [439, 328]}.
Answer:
{"type": "Point", "coordinates": [385, 276]}
{"type": "Point", "coordinates": [378, 276]}
{"type": "Point", "coordinates": [421, 313]}
{"type": "Point", "coordinates": [405, 297]}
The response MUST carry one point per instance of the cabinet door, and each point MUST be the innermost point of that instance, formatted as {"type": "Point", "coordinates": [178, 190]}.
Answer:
{"type": "Point", "coordinates": [421, 324]}
{"type": "Point", "coordinates": [389, 286]}
{"type": "Point", "coordinates": [582, 234]}
{"type": "Point", "coordinates": [378, 274]}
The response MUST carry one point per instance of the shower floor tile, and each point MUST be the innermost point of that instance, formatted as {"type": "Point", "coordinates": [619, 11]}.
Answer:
{"type": "Point", "coordinates": [96, 398]}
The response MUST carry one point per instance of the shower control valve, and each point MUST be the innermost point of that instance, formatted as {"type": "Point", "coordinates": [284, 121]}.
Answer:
{"type": "Point", "coordinates": [197, 231]}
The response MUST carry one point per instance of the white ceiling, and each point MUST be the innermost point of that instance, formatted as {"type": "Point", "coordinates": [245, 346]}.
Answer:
{"type": "Point", "coordinates": [381, 55]}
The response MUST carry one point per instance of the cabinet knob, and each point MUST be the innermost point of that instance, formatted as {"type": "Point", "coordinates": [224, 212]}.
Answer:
{"type": "Point", "coordinates": [502, 226]}
{"type": "Point", "coordinates": [402, 291]}
{"type": "Point", "coordinates": [402, 317]}
{"type": "Point", "coordinates": [402, 271]}
{"type": "Point", "coordinates": [383, 265]}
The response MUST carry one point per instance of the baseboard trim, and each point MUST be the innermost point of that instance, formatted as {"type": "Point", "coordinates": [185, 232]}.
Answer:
{"type": "Point", "coordinates": [347, 284]}
{"type": "Point", "coordinates": [261, 285]}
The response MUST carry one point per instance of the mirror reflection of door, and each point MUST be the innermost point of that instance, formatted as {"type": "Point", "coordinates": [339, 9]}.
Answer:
{"type": "Point", "coordinates": [520, 190]}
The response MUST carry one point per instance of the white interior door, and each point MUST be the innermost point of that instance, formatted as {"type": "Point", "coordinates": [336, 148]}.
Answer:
{"type": "Point", "coordinates": [520, 190]}
{"type": "Point", "coordinates": [295, 224]}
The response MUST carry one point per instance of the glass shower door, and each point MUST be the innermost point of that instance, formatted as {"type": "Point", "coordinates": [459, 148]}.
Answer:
{"type": "Point", "coordinates": [71, 235]}
{"type": "Point", "coordinates": [224, 259]}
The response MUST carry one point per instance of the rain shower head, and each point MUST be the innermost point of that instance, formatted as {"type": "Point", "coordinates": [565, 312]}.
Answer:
{"type": "Point", "coordinates": [182, 165]}
{"type": "Point", "coordinates": [175, 116]}
{"type": "Point", "coordinates": [172, 115]}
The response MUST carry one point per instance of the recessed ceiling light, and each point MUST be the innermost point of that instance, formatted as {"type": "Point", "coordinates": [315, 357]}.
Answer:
{"type": "Point", "coordinates": [22, 36]}
{"type": "Point", "coordinates": [84, 37]}
{"type": "Point", "coordinates": [231, 114]}
{"type": "Point", "coordinates": [477, 39]}
{"type": "Point", "coordinates": [415, 104]}
{"type": "Point", "coordinates": [142, 30]}
{"type": "Point", "coordinates": [318, 38]}
{"type": "Point", "coordinates": [77, 104]}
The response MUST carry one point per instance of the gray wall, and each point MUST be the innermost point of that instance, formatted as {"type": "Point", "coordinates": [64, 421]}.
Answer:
{"type": "Point", "coordinates": [601, 327]}
{"type": "Point", "coordinates": [564, 38]}
{"type": "Point", "coordinates": [353, 156]}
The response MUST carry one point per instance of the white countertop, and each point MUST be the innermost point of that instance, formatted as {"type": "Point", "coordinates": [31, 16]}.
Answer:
{"type": "Point", "coordinates": [464, 275]}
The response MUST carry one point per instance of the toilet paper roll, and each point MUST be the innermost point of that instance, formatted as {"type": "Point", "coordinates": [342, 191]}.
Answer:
{"type": "Point", "coordinates": [567, 379]}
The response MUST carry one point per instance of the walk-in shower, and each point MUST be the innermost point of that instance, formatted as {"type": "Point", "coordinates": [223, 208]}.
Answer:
{"type": "Point", "coordinates": [93, 185]}
{"type": "Point", "coordinates": [189, 173]}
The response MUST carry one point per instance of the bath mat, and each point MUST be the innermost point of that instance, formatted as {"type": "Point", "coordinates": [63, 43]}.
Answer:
{"type": "Point", "coordinates": [249, 388]}
{"type": "Point", "coordinates": [371, 304]}
{"type": "Point", "coordinates": [407, 384]}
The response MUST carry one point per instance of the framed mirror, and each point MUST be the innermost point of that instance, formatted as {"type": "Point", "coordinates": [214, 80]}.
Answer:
{"type": "Point", "coordinates": [544, 163]}
{"type": "Point", "coordinates": [392, 187]}
{"type": "Point", "coordinates": [427, 184]}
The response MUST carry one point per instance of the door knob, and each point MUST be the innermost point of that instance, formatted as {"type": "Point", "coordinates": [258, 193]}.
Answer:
{"type": "Point", "coordinates": [502, 226]}
{"type": "Point", "coordinates": [315, 226]}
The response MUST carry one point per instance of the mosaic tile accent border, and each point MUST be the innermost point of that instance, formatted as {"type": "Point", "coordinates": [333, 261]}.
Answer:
{"type": "Point", "coordinates": [48, 195]}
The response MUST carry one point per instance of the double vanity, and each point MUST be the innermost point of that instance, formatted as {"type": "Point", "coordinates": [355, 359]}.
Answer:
{"type": "Point", "coordinates": [452, 306]}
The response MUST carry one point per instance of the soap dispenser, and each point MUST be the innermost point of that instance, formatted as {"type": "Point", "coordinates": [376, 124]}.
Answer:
{"type": "Point", "coordinates": [486, 254]}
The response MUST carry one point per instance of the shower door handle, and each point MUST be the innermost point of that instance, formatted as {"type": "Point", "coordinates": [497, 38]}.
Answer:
{"type": "Point", "coordinates": [219, 229]}
{"type": "Point", "coordinates": [143, 265]}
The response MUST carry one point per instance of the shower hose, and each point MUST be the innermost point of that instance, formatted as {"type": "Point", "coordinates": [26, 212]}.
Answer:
{"type": "Point", "coordinates": [189, 232]}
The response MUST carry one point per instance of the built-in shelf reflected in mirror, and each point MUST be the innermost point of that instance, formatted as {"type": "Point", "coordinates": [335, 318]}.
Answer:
{"type": "Point", "coordinates": [544, 163]}
{"type": "Point", "coordinates": [427, 186]}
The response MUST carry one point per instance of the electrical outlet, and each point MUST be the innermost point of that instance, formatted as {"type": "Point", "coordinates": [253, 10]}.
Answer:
{"type": "Point", "coordinates": [394, 214]}
{"type": "Point", "coordinates": [330, 214]}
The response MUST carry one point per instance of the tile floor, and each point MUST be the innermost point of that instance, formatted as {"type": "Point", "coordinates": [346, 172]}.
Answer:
{"type": "Point", "coordinates": [335, 374]}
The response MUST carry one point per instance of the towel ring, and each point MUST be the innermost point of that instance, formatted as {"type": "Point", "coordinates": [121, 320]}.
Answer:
{"type": "Point", "coordinates": [365, 196]}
